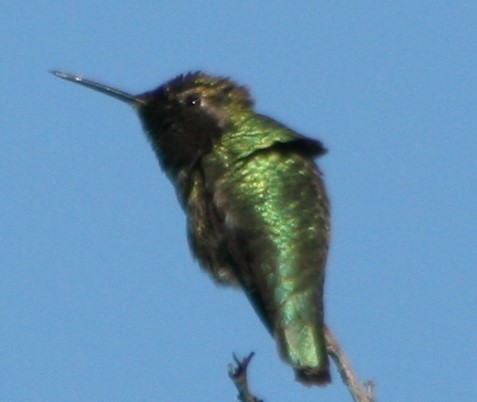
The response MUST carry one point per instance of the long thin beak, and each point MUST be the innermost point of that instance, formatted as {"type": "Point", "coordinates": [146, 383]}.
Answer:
{"type": "Point", "coordinates": [115, 93]}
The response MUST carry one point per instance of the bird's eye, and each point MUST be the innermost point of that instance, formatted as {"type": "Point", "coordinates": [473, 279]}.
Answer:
{"type": "Point", "coordinates": [192, 100]}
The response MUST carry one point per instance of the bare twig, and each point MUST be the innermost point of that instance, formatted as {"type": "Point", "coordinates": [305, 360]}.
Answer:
{"type": "Point", "coordinates": [361, 392]}
{"type": "Point", "coordinates": [238, 374]}
{"type": "Point", "coordinates": [347, 373]}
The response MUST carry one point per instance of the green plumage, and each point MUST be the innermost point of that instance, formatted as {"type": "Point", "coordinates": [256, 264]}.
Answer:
{"type": "Point", "coordinates": [272, 201]}
{"type": "Point", "coordinates": [258, 214]}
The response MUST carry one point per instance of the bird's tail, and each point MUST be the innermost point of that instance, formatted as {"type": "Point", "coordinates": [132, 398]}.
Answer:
{"type": "Point", "coordinates": [303, 346]}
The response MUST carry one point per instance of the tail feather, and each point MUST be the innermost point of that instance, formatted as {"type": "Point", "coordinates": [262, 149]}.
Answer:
{"type": "Point", "coordinates": [303, 347]}
{"type": "Point", "coordinates": [313, 376]}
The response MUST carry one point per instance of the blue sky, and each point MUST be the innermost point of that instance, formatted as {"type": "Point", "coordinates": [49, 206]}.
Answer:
{"type": "Point", "coordinates": [100, 299]}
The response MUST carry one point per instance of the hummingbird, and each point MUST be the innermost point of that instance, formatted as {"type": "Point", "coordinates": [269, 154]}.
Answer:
{"type": "Point", "coordinates": [256, 205]}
